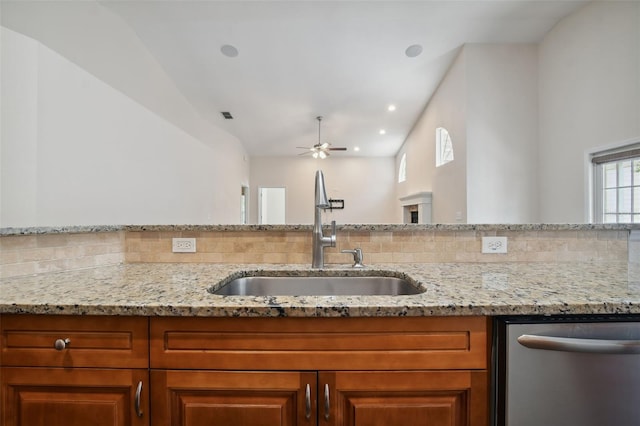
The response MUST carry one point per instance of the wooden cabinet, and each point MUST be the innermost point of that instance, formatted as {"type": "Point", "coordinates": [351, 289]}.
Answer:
{"type": "Point", "coordinates": [359, 371]}
{"type": "Point", "coordinates": [97, 375]}
{"type": "Point", "coordinates": [243, 371]}
{"type": "Point", "coordinates": [222, 398]}
{"type": "Point", "coordinates": [370, 398]}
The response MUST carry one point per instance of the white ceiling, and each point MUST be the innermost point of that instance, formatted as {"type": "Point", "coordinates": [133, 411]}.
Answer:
{"type": "Point", "coordinates": [344, 60]}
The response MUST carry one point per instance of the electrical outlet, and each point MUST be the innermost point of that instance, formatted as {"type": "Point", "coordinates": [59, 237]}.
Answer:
{"type": "Point", "coordinates": [184, 245]}
{"type": "Point", "coordinates": [494, 244]}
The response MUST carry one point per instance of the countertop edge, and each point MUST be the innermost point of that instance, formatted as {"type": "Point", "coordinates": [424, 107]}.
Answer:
{"type": "Point", "coordinates": [41, 230]}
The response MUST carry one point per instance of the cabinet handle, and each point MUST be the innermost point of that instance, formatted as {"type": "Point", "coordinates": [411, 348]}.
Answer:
{"type": "Point", "coordinates": [137, 399]}
{"type": "Point", "coordinates": [307, 402]}
{"type": "Point", "coordinates": [61, 344]}
{"type": "Point", "coordinates": [327, 402]}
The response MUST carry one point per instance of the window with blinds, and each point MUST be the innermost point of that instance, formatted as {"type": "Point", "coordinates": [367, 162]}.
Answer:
{"type": "Point", "coordinates": [617, 185]}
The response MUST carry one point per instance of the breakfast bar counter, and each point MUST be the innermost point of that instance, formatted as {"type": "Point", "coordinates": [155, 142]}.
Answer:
{"type": "Point", "coordinates": [450, 289]}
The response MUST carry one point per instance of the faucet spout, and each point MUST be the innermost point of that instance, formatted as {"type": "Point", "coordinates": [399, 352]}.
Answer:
{"type": "Point", "coordinates": [321, 194]}
{"type": "Point", "coordinates": [321, 241]}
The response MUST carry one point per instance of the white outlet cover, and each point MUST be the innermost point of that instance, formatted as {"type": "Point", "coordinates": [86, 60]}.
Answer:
{"type": "Point", "coordinates": [494, 245]}
{"type": "Point", "coordinates": [183, 245]}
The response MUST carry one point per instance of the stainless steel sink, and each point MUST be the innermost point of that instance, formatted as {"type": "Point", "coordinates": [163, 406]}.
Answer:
{"type": "Point", "coordinates": [317, 286]}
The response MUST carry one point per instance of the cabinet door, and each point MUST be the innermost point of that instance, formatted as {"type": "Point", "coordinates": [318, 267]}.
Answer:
{"type": "Point", "coordinates": [408, 398]}
{"type": "Point", "coordinates": [222, 398]}
{"type": "Point", "coordinates": [73, 397]}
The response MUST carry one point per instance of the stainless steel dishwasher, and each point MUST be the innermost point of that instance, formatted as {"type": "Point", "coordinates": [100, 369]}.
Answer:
{"type": "Point", "coordinates": [567, 371]}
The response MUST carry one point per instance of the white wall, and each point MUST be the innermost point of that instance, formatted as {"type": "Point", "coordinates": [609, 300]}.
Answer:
{"type": "Point", "coordinates": [502, 133]}
{"type": "Point", "coordinates": [77, 151]}
{"type": "Point", "coordinates": [367, 186]}
{"type": "Point", "coordinates": [589, 98]}
{"type": "Point", "coordinates": [488, 103]}
{"type": "Point", "coordinates": [447, 108]}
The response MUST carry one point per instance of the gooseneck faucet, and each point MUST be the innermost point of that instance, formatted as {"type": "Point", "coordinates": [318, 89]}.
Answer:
{"type": "Point", "coordinates": [320, 241]}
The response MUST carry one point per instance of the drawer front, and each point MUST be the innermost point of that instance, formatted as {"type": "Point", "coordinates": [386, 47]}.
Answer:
{"type": "Point", "coordinates": [74, 341]}
{"type": "Point", "coordinates": [319, 343]}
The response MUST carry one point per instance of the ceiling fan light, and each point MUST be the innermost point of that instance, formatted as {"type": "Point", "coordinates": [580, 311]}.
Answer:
{"type": "Point", "coordinates": [315, 154]}
{"type": "Point", "coordinates": [324, 145]}
{"type": "Point", "coordinates": [322, 155]}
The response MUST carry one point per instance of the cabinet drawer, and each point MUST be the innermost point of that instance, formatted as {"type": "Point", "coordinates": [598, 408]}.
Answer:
{"type": "Point", "coordinates": [30, 340]}
{"type": "Point", "coordinates": [319, 343]}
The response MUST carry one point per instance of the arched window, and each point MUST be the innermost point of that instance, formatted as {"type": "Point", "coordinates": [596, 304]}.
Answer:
{"type": "Point", "coordinates": [402, 170]}
{"type": "Point", "coordinates": [444, 147]}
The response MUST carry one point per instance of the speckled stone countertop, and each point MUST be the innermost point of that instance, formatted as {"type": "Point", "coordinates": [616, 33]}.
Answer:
{"type": "Point", "coordinates": [450, 289]}
{"type": "Point", "coordinates": [343, 227]}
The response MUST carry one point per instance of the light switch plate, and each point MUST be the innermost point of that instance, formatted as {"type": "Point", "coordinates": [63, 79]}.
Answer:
{"type": "Point", "coordinates": [184, 245]}
{"type": "Point", "coordinates": [494, 244]}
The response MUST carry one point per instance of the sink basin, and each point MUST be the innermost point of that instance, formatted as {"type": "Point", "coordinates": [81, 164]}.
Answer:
{"type": "Point", "coordinates": [317, 286]}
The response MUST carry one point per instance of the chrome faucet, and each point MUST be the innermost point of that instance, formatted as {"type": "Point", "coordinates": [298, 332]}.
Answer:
{"type": "Point", "coordinates": [320, 241]}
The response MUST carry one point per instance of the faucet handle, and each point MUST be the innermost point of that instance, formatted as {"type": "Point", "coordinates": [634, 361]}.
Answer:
{"type": "Point", "coordinates": [333, 233]}
{"type": "Point", "coordinates": [357, 257]}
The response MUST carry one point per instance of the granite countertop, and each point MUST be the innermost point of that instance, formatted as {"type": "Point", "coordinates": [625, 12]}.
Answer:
{"type": "Point", "coordinates": [168, 289]}
{"type": "Point", "coordinates": [38, 230]}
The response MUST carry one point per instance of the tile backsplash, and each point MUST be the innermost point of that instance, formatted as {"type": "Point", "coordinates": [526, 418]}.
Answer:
{"type": "Point", "coordinates": [31, 254]}
{"type": "Point", "coordinates": [34, 254]}
{"type": "Point", "coordinates": [380, 246]}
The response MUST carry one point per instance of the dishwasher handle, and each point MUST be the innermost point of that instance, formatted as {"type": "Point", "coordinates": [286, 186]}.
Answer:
{"type": "Point", "coordinates": [568, 344]}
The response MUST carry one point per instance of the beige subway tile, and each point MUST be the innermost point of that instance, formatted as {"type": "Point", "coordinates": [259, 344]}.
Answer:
{"type": "Point", "coordinates": [514, 246]}
{"type": "Point", "coordinates": [403, 258]}
{"type": "Point", "coordinates": [132, 257]}
{"type": "Point", "coordinates": [357, 236]}
{"type": "Point", "coordinates": [215, 246]}
{"type": "Point", "coordinates": [296, 258]}
{"type": "Point", "coordinates": [150, 235]}
{"type": "Point", "coordinates": [545, 245]}
{"type": "Point", "coordinates": [607, 234]}
{"type": "Point", "coordinates": [296, 236]}
{"type": "Point", "coordinates": [372, 258]}
{"type": "Point", "coordinates": [390, 246]}
{"type": "Point", "coordinates": [18, 269]}
{"type": "Point", "coordinates": [52, 240]}
{"type": "Point", "coordinates": [233, 257]}
{"type": "Point", "coordinates": [132, 246]}
{"type": "Point", "coordinates": [69, 252]}
{"type": "Point", "coordinates": [465, 235]}
{"type": "Point", "coordinates": [402, 236]}
{"type": "Point", "coordinates": [18, 242]}
{"type": "Point", "coordinates": [250, 247]}
{"type": "Point", "coordinates": [475, 246]}
{"type": "Point", "coordinates": [272, 258]}
{"type": "Point", "coordinates": [272, 237]}
{"type": "Point", "coordinates": [413, 247]}
{"type": "Point", "coordinates": [254, 257]}
{"type": "Point", "coordinates": [381, 237]}
{"type": "Point", "coordinates": [444, 236]}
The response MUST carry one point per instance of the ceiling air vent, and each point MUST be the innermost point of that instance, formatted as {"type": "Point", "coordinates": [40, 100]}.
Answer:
{"type": "Point", "coordinates": [227, 115]}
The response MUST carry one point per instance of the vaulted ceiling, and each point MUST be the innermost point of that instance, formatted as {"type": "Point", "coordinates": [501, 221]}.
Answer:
{"type": "Point", "coordinates": [343, 60]}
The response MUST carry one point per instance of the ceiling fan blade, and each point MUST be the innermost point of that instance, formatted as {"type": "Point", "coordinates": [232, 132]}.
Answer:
{"type": "Point", "coordinates": [337, 149]}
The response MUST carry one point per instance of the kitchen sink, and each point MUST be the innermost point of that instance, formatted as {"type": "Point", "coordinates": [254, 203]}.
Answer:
{"type": "Point", "coordinates": [318, 286]}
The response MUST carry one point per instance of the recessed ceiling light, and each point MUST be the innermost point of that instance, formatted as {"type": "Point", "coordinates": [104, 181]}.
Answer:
{"type": "Point", "coordinates": [413, 50]}
{"type": "Point", "coordinates": [391, 107]}
{"type": "Point", "coordinates": [228, 50]}
{"type": "Point", "coordinates": [356, 148]}
{"type": "Point", "coordinates": [382, 131]}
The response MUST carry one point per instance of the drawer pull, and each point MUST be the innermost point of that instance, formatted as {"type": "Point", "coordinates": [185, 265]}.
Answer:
{"type": "Point", "coordinates": [137, 400]}
{"type": "Point", "coordinates": [61, 344]}
{"type": "Point", "coordinates": [327, 402]}
{"type": "Point", "coordinates": [307, 402]}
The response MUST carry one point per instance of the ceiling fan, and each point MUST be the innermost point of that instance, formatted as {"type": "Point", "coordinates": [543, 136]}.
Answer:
{"type": "Point", "coordinates": [320, 150]}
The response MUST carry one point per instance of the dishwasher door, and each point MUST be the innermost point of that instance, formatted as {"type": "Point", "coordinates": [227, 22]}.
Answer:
{"type": "Point", "coordinates": [565, 373]}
